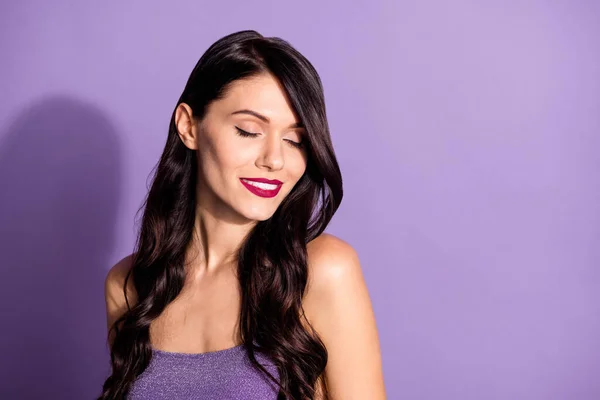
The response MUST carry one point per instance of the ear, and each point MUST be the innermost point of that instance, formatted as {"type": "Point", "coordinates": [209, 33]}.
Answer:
{"type": "Point", "coordinates": [186, 126]}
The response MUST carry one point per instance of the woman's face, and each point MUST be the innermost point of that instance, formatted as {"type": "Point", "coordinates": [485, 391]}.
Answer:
{"type": "Point", "coordinates": [231, 161]}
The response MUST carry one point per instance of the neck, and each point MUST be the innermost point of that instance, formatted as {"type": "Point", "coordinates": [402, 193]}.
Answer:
{"type": "Point", "coordinates": [216, 241]}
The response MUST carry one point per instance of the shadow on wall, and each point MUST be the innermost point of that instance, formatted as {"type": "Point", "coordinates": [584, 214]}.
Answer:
{"type": "Point", "coordinates": [60, 180]}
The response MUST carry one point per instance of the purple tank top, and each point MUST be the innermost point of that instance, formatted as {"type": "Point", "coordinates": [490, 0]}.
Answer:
{"type": "Point", "coordinates": [223, 374]}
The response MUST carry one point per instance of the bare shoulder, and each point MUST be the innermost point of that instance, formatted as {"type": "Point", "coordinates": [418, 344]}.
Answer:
{"type": "Point", "coordinates": [338, 306]}
{"type": "Point", "coordinates": [114, 294]}
{"type": "Point", "coordinates": [332, 262]}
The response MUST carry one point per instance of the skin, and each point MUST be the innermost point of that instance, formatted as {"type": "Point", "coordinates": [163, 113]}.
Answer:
{"type": "Point", "coordinates": [204, 317]}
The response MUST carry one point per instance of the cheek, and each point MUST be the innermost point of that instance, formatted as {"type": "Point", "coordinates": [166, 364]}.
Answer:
{"type": "Point", "coordinates": [296, 166]}
{"type": "Point", "coordinates": [223, 156]}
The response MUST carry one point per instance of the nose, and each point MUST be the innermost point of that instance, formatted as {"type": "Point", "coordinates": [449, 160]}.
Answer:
{"type": "Point", "coordinates": [271, 156]}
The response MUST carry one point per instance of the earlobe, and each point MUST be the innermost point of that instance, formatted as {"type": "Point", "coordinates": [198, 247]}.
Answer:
{"type": "Point", "coordinates": [184, 120]}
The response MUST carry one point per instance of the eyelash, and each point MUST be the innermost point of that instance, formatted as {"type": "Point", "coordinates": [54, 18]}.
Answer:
{"type": "Point", "coordinates": [243, 133]}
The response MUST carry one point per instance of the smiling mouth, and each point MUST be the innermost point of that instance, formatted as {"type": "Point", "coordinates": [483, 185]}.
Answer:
{"type": "Point", "coordinates": [262, 189]}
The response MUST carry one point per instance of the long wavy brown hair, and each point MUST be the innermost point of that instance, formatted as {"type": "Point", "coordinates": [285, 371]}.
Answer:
{"type": "Point", "coordinates": [272, 260]}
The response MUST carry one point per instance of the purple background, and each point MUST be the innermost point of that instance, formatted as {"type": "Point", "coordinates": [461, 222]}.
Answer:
{"type": "Point", "coordinates": [468, 134]}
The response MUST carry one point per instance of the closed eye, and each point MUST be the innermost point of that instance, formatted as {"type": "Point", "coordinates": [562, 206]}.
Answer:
{"type": "Point", "coordinates": [297, 145]}
{"type": "Point", "coordinates": [243, 133]}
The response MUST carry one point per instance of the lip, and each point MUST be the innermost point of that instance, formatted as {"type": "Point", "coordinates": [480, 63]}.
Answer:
{"type": "Point", "coordinates": [264, 180]}
{"type": "Point", "coordinates": [262, 192]}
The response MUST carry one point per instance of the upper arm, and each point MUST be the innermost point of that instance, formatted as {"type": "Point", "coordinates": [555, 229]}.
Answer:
{"type": "Point", "coordinates": [114, 296]}
{"type": "Point", "coordinates": [338, 306]}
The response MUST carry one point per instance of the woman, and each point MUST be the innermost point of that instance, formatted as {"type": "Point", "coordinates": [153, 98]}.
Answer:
{"type": "Point", "coordinates": [234, 291]}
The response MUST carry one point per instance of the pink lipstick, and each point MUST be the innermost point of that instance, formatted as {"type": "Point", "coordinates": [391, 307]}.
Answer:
{"type": "Point", "coordinates": [262, 187]}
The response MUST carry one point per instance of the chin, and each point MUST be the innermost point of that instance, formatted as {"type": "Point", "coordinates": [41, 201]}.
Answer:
{"type": "Point", "coordinates": [259, 214]}
{"type": "Point", "coordinates": [260, 217]}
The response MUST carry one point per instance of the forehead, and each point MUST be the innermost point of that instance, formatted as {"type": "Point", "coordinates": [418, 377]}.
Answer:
{"type": "Point", "coordinates": [263, 94]}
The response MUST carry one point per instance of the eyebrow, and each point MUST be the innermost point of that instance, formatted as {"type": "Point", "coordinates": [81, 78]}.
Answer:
{"type": "Point", "coordinates": [265, 118]}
